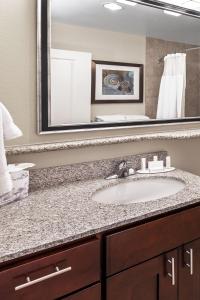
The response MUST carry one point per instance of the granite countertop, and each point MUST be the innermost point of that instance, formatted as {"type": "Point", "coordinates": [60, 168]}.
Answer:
{"type": "Point", "coordinates": [65, 213]}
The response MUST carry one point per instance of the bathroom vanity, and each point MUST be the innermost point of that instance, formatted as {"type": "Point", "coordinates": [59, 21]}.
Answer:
{"type": "Point", "coordinates": [99, 70]}
{"type": "Point", "coordinates": [59, 243]}
{"type": "Point", "coordinates": [154, 259]}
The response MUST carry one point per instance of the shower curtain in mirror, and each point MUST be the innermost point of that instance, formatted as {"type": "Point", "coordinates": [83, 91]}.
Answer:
{"type": "Point", "coordinates": [171, 101]}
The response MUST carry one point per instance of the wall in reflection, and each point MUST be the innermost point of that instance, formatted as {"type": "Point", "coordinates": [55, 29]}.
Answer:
{"type": "Point", "coordinates": [104, 45]}
{"type": "Point", "coordinates": [116, 46]}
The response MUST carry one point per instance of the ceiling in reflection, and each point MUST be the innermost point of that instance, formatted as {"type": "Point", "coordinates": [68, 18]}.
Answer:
{"type": "Point", "coordinates": [139, 19]}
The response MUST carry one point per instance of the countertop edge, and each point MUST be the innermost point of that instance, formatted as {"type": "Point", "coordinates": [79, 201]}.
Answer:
{"type": "Point", "coordinates": [39, 148]}
{"type": "Point", "coordinates": [87, 234]}
{"type": "Point", "coordinates": [27, 242]}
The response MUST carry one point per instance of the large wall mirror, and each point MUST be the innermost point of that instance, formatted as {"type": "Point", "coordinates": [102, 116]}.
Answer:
{"type": "Point", "coordinates": [104, 64]}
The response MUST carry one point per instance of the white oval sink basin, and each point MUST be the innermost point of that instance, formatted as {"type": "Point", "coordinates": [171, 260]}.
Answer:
{"type": "Point", "coordinates": [137, 191]}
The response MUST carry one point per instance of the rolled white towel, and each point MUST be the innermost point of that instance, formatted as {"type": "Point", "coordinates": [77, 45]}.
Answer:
{"type": "Point", "coordinates": [8, 130]}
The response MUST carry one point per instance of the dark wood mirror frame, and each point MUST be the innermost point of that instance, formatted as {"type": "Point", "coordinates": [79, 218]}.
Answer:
{"type": "Point", "coordinates": [43, 73]}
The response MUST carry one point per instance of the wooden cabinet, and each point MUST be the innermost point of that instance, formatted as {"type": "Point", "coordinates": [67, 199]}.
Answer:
{"type": "Point", "coordinates": [92, 293]}
{"type": "Point", "coordinates": [151, 239]}
{"type": "Point", "coordinates": [189, 271]}
{"type": "Point", "coordinates": [141, 265]}
{"type": "Point", "coordinates": [174, 275]}
{"type": "Point", "coordinates": [52, 276]}
{"type": "Point", "coordinates": [152, 280]}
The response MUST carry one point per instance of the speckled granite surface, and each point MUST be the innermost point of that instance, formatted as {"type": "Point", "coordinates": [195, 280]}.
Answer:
{"type": "Point", "coordinates": [38, 148]}
{"type": "Point", "coordinates": [67, 212]}
{"type": "Point", "coordinates": [47, 177]}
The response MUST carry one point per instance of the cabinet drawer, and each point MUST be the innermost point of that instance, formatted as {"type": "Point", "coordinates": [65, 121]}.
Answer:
{"type": "Point", "coordinates": [132, 246]}
{"type": "Point", "coordinates": [92, 293]}
{"type": "Point", "coordinates": [53, 276]}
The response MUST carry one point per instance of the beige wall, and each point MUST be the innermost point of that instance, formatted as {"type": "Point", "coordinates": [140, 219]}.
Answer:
{"type": "Point", "coordinates": [104, 45]}
{"type": "Point", "coordinates": [18, 92]}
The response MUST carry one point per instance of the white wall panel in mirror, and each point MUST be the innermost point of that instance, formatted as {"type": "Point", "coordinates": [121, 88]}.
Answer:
{"type": "Point", "coordinates": [70, 87]}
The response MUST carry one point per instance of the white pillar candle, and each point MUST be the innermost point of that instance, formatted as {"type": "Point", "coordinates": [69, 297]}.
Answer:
{"type": "Point", "coordinates": [168, 162]}
{"type": "Point", "coordinates": [143, 164]}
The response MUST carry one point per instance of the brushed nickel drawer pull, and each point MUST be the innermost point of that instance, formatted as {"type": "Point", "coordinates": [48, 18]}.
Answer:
{"type": "Point", "coordinates": [29, 282]}
{"type": "Point", "coordinates": [191, 264]}
{"type": "Point", "coordinates": [172, 274]}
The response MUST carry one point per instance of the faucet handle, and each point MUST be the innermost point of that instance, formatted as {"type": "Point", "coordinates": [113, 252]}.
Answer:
{"type": "Point", "coordinates": [123, 169]}
{"type": "Point", "coordinates": [122, 164]}
{"type": "Point", "coordinates": [125, 164]}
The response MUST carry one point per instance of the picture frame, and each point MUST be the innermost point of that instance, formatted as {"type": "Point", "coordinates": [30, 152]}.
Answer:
{"type": "Point", "coordinates": [117, 82]}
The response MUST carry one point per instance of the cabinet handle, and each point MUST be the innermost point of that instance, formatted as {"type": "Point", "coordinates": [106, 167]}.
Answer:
{"type": "Point", "coordinates": [32, 282]}
{"type": "Point", "coordinates": [172, 274]}
{"type": "Point", "coordinates": [191, 264]}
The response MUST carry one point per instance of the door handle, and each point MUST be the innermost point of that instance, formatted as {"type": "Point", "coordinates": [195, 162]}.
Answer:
{"type": "Point", "coordinates": [172, 275]}
{"type": "Point", "coordinates": [35, 281]}
{"type": "Point", "coordinates": [191, 264]}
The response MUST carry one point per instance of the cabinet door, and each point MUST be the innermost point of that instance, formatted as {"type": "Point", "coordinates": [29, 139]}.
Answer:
{"type": "Point", "coordinates": [152, 280]}
{"type": "Point", "coordinates": [189, 271]}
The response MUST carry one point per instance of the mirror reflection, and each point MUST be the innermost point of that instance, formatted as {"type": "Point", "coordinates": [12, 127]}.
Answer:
{"type": "Point", "coordinates": [122, 61]}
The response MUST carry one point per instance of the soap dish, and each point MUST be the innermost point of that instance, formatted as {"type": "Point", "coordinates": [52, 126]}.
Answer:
{"type": "Point", "coordinates": [165, 170]}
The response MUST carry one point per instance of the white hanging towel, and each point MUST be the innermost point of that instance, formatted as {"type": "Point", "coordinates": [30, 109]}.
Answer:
{"type": "Point", "coordinates": [171, 101]}
{"type": "Point", "coordinates": [8, 131]}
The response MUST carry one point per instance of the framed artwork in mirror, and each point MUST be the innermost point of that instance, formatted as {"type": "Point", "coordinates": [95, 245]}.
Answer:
{"type": "Point", "coordinates": [116, 82]}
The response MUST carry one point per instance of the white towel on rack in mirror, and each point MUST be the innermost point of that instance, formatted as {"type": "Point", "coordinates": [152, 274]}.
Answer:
{"type": "Point", "coordinates": [8, 130]}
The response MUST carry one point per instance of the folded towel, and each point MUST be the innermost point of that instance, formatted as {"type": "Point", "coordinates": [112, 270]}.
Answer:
{"type": "Point", "coordinates": [8, 130]}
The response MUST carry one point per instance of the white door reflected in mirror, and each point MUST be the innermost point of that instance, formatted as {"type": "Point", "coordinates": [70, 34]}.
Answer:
{"type": "Point", "coordinates": [70, 87]}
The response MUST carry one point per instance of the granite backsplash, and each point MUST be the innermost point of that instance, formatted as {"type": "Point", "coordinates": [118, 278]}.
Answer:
{"type": "Point", "coordinates": [52, 176]}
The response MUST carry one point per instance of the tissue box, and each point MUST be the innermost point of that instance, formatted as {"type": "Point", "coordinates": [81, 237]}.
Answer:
{"type": "Point", "coordinates": [20, 187]}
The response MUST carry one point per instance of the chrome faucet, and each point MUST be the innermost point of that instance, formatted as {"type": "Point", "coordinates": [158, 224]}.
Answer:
{"type": "Point", "coordinates": [123, 170]}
